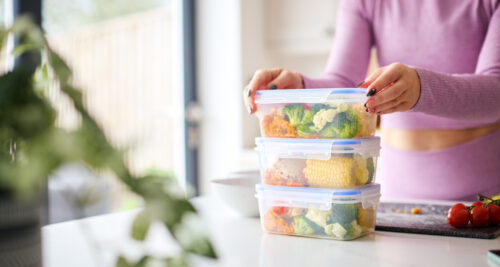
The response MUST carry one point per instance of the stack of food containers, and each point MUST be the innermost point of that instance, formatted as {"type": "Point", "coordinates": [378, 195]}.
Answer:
{"type": "Point", "coordinates": [317, 158]}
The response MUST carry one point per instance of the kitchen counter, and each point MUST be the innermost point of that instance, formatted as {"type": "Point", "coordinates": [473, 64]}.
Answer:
{"type": "Point", "coordinates": [240, 242]}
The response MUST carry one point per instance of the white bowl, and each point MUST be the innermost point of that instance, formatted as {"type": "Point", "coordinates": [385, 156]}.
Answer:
{"type": "Point", "coordinates": [238, 193]}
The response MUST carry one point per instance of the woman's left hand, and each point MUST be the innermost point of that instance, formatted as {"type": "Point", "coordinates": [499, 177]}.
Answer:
{"type": "Point", "coordinates": [392, 88]}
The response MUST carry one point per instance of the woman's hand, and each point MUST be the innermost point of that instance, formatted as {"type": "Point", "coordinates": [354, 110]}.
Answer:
{"type": "Point", "coordinates": [392, 88]}
{"type": "Point", "coordinates": [270, 79]}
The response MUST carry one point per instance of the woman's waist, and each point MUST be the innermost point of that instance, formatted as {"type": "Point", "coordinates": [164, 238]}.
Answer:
{"type": "Point", "coordinates": [422, 121]}
{"type": "Point", "coordinates": [434, 139]}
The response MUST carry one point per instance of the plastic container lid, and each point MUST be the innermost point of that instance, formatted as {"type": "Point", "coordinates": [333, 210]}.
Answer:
{"type": "Point", "coordinates": [316, 198]}
{"type": "Point", "coordinates": [321, 149]}
{"type": "Point", "coordinates": [310, 95]}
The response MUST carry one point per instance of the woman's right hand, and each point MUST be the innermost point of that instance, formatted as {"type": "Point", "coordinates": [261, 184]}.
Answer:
{"type": "Point", "coordinates": [270, 79]}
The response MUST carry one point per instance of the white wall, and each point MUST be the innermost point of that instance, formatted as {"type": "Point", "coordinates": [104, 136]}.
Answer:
{"type": "Point", "coordinates": [232, 44]}
{"type": "Point", "coordinates": [219, 86]}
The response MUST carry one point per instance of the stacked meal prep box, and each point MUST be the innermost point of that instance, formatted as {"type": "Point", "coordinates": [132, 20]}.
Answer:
{"type": "Point", "coordinates": [318, 156]}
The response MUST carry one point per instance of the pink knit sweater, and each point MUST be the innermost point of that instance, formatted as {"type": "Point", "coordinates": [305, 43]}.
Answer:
{"type": "Point", "coordinates": [455, 48]}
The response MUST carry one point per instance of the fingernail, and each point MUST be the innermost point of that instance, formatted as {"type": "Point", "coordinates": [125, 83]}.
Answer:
{"type": "Point", "coordinates": [365, 105]}
{"type": "Point", "coordinates": [273, 86]}
{"type": "Point", "coordinates": [359, 84]}
{"type": "Point", "coordinates": [249, 92]}
{"type": "Point", "coordinates": [249, 110]}
{"type": "Point", "coordinates": [366, 109]}
{"type": "Point", "coordinates": [371, 92]}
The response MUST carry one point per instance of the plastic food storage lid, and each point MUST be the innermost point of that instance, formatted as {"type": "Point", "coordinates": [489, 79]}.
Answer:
{"type": "Point", "coordinates": [321, 149]}
{"type": "Point", "coordinates": [310, 95]}
{"type": "Point", "coordinates": [317, 198]}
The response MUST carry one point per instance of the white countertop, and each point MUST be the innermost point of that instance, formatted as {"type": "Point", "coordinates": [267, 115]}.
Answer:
{"type": "Point", "coordinates": [240, 241]}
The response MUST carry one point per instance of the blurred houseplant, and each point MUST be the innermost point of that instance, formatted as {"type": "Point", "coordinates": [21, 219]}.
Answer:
{"type": "Point", "coordinates": [33, 147]}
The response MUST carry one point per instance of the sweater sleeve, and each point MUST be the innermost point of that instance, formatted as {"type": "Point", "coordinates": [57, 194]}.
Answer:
{"type": "Point", "coordinates": [350, 54]}
{"type": "Point", "coordinates": [466, 97]}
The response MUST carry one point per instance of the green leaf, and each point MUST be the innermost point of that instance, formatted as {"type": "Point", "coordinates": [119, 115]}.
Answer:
{"type": "Point", "coordinates": [122, 262]}
{"type": "Point", "coordinates": [22, 48]}
{"type": "Point", "coordinates": [60, 67]}
{"type": "Point", "coordinates": [140, 226]}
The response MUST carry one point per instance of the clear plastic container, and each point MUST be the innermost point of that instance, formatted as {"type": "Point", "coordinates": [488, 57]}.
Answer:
{"type": "Point", "coordinates": [319, 163]}
{"type": "Point", "coordinates": [333, 214]}
{"type": "Point", "coordinates": [315, 113]}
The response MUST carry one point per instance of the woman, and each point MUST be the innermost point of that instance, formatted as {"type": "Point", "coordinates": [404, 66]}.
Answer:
{"type": "Point", "coordinates": [440, 105]}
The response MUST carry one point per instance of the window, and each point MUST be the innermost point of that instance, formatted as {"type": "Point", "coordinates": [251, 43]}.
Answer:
{"type": "Point", "coordinates": [125, 58]}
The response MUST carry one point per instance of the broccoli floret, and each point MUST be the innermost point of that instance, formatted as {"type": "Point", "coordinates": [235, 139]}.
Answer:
{"type": "Point", "coordinates": [344, 125]}
{"type": "Point", "coordinates": [309, 114]}
{"type": "Point", "coordinates": [330, 131]}
{"type": "Point", "coordinates": [294, 113]}
{"type": "Point", "coordinates": [348, 124]}
{"type": "Point", "coordinates": [304, 226]}
{"type": "Point", "coordinates": [344, 214]}
{"type": "Point", "coordinates": [355, 230]}
{"type": "Point", "coordinates": [303, 130]}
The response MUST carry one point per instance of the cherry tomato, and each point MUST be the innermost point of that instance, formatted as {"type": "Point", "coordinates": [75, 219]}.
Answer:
{"type": "Point", "coordinates": [279, 210]}
{"type": "Point", "coordinates": [494, 212]}
{"type": "Point", "coordinates": [479, 216]}
{"type": "Point", "coordinates": [458, 206]}
{"type": "Point", "coordinates": [458, 217]}
{"type": "Point", "coordinates": [477, 203]}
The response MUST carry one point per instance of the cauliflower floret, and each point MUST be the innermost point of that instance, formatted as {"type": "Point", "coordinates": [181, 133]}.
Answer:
{"type": "Point", "coordinates": [320, 217]}
{"type": "Point", "coordinates": [322, 117]}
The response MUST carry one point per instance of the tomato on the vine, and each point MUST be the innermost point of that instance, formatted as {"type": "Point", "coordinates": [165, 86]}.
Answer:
{"type": "Point", "coordinates": [479, 216]}
{"type": "Point", "coordinates": [477, 203]}
{"type": "Point", "coordinates": [458, 206]}
{"type": "Point", "coordinates": [494, 213]}
{"type": "Point", "coordinates": [458, 216]}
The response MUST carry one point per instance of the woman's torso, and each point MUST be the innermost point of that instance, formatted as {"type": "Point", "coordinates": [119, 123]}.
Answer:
{"type": "Point", "coordinates": [448, 36]}
{"type": "Point", "coordinates": [444, 36]}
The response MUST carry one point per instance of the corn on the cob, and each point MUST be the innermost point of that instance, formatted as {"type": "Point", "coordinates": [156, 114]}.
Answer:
{"type": "Point", "coordinates": [360, 170]}
{"type": "Point", "coordinates": [337, 172]}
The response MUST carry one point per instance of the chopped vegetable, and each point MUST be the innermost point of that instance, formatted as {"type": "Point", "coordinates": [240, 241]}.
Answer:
{"type": "Point", "coordinates": [366, 217]}
{"type": "Point", "coordinates": [329, 229]}
{"type": "Point", "coordinates": [278, 224]}
{"type": "Point", "coordinates": [294, 113]}
{"type": "Point", "coordinates": [320, 217]}
{"type": "Point", "coordinates": [344, 213]}
{"type": "Point", "coordinates": [307, 119]}
{"type": "Point", "coordinates": [346, 123]}
{"type": "Point", "coordinates": [338, 231]}
{"type": "Point", "coordinates": [371, 169]}
{"type": "Point", "coordinates": [355, 230]}
{"type": "Point", "coordinates": [336, 172]}
{"type": "Point", "coordinates": [275, 126]}
{"type": "Point", "coordinates": [416, 211]}
{"type": "Point", "coordinates": [323, 117]}
{"type": "Point", "coordinates": [360, 169]}
{"type": "Point", "coordinates": [279, 210]}
{"type": "Point", "coordinates": [304, 226]}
